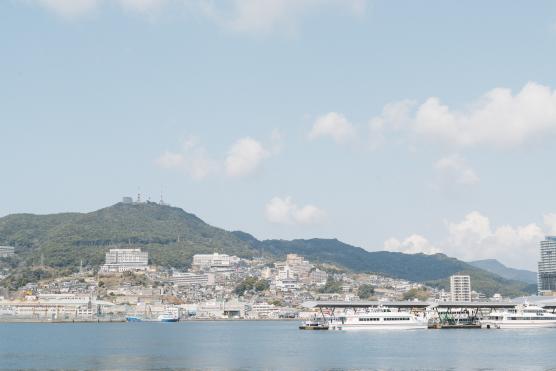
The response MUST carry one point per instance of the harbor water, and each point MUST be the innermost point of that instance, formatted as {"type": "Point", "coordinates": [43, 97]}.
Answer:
{"type": "Point", "coordinates": [274, 345]}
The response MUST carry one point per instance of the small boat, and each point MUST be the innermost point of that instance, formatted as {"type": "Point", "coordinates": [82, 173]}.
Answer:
{"type": "Point", "coordinates": [168, 317]}
{"type": "Point", "coordinates": [314, 325]}
{"type": "Point", "coordinates": [133, 319]}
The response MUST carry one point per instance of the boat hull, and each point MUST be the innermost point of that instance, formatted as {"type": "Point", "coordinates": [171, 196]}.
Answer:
{"type": "Point", "coordinates": [168, 320]}
{"type": "Point", "coordinates": [378, 326]}
{"type": "Point", "coordinates": [313, 327]}
{"type": "Point", "coordinates": [518, 324]}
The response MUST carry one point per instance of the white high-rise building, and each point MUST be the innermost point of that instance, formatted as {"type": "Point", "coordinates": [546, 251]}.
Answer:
{"type": "Point", "coordinates": [122, 260]}
{"type": "Point", "coordinates": [547, 266]}
{"type": "Point", "coordinates": [460, 288]}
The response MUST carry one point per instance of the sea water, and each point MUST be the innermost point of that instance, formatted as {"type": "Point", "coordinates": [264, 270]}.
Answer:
{"type": "Point", "coordinates": [275, 345]}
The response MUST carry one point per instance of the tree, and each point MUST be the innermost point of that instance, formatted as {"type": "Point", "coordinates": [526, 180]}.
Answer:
{"type": "Point", "coordinates": [365, 291]}
{"type": "Point", "coordinates": [262, 285]}
{"type": "Point", "coordinates": [251, 283]}
{"type": "Point", "coordinates": [419, 294]}
{"type": "Point", "coordinates": [331, 287]}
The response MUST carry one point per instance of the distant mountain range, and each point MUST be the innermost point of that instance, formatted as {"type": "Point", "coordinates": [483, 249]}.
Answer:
{"type": "Point", "coordinates": [172, 236]}
{"type": "Point", "coordinates": [494, 266]}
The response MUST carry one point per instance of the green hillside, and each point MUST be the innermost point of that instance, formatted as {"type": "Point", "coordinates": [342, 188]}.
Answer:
{"type": "Point", "coordinates": [172, 236]}
{"type": "Point", "coordinates": [433, 269]}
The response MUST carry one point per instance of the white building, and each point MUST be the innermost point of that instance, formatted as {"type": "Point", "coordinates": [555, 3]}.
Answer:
{"type": "Point", "coordinates": [55, 307]}
{"type": "Point", "coordinates": [6, 251]}
{"type": "Point", "coordinates": [547, 266]}
{"type": "Point", "coordinates": [122, 260]}
{"type": "Point", "coordinates": [263, 310]}
{"type": "Point", "coordinates": [216, 260]}
{"type": "Point", "coordinates": [460, 287]}
{"type": "Point", "coordinates": [318, 277]}
{"type": "Point", "coordinates": [287, 284]}
{"type": "Point", "coordinates": [193, 279]}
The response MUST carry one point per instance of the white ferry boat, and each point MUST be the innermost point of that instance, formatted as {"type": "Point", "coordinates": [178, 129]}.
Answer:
{"type": "Point", "coordinates": [379, 318]}
{"type": "Point", "coordinates": [522, 316]}
{"type": "Point", "coordinates": [168, 317]}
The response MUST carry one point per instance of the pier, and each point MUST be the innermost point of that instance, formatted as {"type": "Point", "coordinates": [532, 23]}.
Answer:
{"type": "Point", "coordinates": [447, 315]}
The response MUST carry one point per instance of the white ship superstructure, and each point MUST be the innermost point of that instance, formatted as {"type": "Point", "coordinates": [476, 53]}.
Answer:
{"type": "Point", "coordinates": [522, 316]}
{"type": "Point", "coordinates": [379, 318]}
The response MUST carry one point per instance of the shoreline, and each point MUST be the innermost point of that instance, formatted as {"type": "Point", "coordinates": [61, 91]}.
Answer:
{"type": "Point", "coordinates": [77, 321]}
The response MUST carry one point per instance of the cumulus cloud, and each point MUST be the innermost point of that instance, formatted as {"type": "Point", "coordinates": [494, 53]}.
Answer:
{"type": "Point", "coordinates": [265, 16]}
{"type": "Point", "coordinates": [285, 211]}
{"type": "Point", "coordinates": [475, 238]}
{"type": "Point", "coordinates": [413, 244]}
{"type": "Point", "coordinates": [454, 169]}
{"type": "Point", "coordinates": [193, 160]}
{"type": "Point", "coordinates": [257, 17]}
{"type": "Point", "coordinates": [499, 118]}
{"type": "Point", "coordinates": [333, 125]}
{"type": "Point", "coordinates": [395, 116]}
{"type": "Point", "coordinates": [69, 8]}
{"type": "Point", "coordinates": [143, 6]}
{"type": "Point", "coordinates": [245, 157]}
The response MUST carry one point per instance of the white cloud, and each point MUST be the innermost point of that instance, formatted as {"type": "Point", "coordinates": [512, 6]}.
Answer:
{"type": "Point", "coordinates": [498, 119]}
{"type": "Point", "coordinates": [69, 8]}
{"type": "Point", "coordinates": [474, 238]}
{"type": "Point", "coordinates": [413, 244]}
{"type": "Point", "coordinates": [266, 16]}
{"type": "Point", "coordinates": [394, 117]}
{"type": "Point", "coordinates": [333, 125]}
{"type": "Point", "coordinates": [143, 6]}
{"type": "Point", "coordinates": [285, 211]}
{"type": "Point", "coordinates": [244, 157]}
{"type": "Point", "coordinates": [454, 169]}
{"type": "Point", "coordinates": [170, 160]}
{"type": "Point", "coordinates": [193, 160]}
{"type": "Point", "coordinates": [257, 17]}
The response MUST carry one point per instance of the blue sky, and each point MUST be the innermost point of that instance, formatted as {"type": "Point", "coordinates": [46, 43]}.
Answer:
{"type": "Point", "coordinates": [401, 125]}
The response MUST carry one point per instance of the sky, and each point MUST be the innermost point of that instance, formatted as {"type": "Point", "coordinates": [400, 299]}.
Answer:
{"type": "Point", "coordinates": [392, 125]}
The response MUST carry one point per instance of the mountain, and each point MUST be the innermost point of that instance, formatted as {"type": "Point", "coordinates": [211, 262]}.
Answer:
{"type": "Point", "coordinates": [431, 269]}
{"type": "Point", "coordinates": [494, 266]}
{"type": "Point", "coordinates": [172, 236]}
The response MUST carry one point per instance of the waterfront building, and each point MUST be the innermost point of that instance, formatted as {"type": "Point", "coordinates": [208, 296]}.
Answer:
{"type": "Point", "coordinates": [263, 311]}
{"type": "Point", "coordinates": [460, 287]}
{"type": "Point", "coordinates": [547, 266]}
{"type": "Point", "coordinates": [221, 309]}
{"type": "Point", "coordinates": [7, 251]}
{"type": "Point", "coordinates": [122, 260]}
{"type": "Point", "coordinates": [54, 307]}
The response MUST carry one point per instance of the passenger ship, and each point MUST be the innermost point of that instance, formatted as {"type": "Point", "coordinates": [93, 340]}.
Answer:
{"type": "Point", "coordinates": [378, 319]}
{"type": "Point", "coordinates": [522, 316]}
